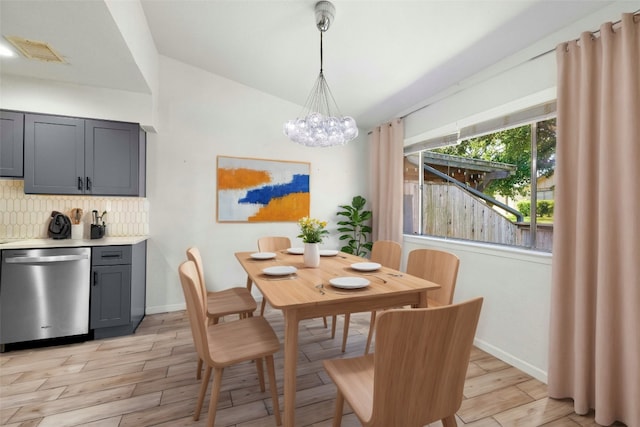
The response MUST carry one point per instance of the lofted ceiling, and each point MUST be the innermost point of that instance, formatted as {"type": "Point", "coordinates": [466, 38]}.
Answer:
{"type": "Point", "coordinates": [381, 58]}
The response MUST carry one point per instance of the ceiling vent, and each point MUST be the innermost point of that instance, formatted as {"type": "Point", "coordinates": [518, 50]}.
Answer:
{"type": "Point", "coordinates": [36, 50]}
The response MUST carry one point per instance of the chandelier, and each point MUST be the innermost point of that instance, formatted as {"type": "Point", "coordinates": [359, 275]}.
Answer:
{"type": "Point", "coordinates": [321, 124]}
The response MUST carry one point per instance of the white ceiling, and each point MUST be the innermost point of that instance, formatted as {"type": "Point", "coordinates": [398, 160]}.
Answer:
{"type": "Point", "coordinates": [381, 58]}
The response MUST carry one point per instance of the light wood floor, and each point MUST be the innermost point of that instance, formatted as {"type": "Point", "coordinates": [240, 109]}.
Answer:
{"type": "Point", "coordinates": [148, 379]}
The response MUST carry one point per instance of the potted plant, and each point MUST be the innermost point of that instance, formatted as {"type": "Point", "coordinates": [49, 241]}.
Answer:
{"type": "Point", "coordinates": [355, 228]}
{"type": "Point", "coordinates": [312, 232]}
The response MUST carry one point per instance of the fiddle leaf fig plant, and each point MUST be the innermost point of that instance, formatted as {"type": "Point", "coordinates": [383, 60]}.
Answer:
{"type": "Point", "coordinates": [355, 228]}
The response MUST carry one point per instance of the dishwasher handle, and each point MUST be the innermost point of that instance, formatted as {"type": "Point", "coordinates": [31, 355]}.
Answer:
{"type": "Point", "coordinates": [43, 259]}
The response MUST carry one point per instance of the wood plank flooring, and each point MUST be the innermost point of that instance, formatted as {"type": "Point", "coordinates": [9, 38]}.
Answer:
{"type": "Point", "coordinates": [148, 379]}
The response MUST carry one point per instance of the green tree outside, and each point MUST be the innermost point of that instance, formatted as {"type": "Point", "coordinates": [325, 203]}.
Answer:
{"type": "Point", "coordinates": [512, 146]}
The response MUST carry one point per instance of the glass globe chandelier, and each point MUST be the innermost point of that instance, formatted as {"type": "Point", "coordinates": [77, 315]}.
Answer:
{"type": "Point", "coordinates": [321, 124]}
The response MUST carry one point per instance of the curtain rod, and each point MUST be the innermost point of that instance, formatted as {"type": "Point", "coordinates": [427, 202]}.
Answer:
{"type": "Point", "coordinates": [593, 33]}
{"type": "Point", "coordinates": [635, 15]}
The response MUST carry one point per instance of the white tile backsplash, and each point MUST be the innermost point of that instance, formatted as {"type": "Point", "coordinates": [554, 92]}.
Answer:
{"type": "Point", "coordinates": [26, 216]}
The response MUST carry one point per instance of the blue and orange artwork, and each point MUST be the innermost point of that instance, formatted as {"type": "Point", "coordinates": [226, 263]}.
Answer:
{"type": "Point", "coordinates": [254, 190]}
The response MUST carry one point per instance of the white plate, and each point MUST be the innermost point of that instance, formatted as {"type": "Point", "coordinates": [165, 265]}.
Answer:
{"type": "Point", "coordinates": [349, 282]}
{"type": "Point", "coordinates": [366, 266]}
{"type": "Point", "coordinates": [328, 252]}
{"type": "Point", "coordinates": [281, 270]}
{"type": "Point", "coordinates": [263, 255]}
{"type": "Point", "coordinates": [296, 251]}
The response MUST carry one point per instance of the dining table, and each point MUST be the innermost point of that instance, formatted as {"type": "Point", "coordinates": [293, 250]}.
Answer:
{"type": "Point", "coordinates": [303, 293]}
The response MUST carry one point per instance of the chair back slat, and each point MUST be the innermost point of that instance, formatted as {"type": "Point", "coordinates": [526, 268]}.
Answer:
{"type": "Point", "coordinates": [437, 266]}
{"type": "Point", "coordinates": [421, 361]}
{"type": "Point", "coordinates": [387, 253]}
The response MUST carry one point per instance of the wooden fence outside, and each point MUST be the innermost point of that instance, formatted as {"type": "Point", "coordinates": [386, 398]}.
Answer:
{"type": "Point", "coordinates": [452, 212]}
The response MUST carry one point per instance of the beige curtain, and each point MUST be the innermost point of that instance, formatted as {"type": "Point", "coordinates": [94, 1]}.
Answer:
{"type": "Point", "coordinates": [595, 303]}
{"type": "Point", "coordinates": [387, 157]}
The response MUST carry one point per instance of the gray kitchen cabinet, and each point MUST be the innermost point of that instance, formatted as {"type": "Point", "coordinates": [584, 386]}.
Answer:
{"type": "Point", "coordinates": [53, 155]}
{"type": "Point", "coordinates": [110, 286]}
{"type": "Point", "coordinates": [11, 143]}
{"type": "Point", "coordinates": [66, 155]}
{"type": "Point", "coordinates": [111, 158]}
{"type": "Point", "coordinates": [118, 289]}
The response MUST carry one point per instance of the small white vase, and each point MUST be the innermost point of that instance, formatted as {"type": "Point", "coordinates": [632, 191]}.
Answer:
{"type": "Point", "coordinates": [311, 255]}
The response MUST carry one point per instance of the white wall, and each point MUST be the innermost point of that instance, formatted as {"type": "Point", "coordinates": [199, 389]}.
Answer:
{"type": "Point", "coordinates": [522, 80]}
{"type": "Point", "coordinates": [516, 285]}
{"type": "Point", "coordinates": [203, 116]}
{"type": "Point", "coordinates": [132, 22]}
{"type": "Point", "coordinates": [46, 96]}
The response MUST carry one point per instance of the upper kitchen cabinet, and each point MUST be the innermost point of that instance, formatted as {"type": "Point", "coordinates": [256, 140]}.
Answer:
{"type": "Point", "coordinates": [111, 158]}
{"type": "Point", "coordinates": [53, 155]}
{"type": "Point", "coordinates": [66, 155]}
{"type": "Point", "coordinates": [11, 143]}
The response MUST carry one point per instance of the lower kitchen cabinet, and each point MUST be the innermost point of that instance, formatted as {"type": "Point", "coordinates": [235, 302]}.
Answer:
{"type": "Point", "coordinates": [110, 295]}
{"type": "Point", "coordinates": [118, 289]}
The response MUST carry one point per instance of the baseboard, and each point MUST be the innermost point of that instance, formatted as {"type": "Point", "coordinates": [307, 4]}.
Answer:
{"type": "Point", "coordinates": [164, 308]}
{"type": "Point", "coordinates": [527, 368]}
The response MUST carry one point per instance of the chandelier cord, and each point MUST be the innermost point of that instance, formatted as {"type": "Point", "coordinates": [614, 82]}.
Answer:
{"type": "Point", "coordinates": [320, 52]}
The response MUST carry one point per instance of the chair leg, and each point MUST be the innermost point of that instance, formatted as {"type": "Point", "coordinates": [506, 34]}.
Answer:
{"type": "Point", "coordinates": [333, 326]}
{"type": "Point", "coordinates": [199, 369]}
{"type": "Point", "coordinates": [260, 370]}
{"type": "Point", "coordinates": [215, 394]}
{"type": "Point", "coordinates": [345, 330]}
{"type": "Point", "coordinates": [450, 421]}
{"type": "Point", "coordinates": [203, 390]}
{"type": "Point", "coordinates": [264, 304]}
{"type": "Point", "coordinates": [271, 370]}
{"type": "Point", "coordinates": [372, 324]}
{"type": "Point", "coordinates": [337, 415]}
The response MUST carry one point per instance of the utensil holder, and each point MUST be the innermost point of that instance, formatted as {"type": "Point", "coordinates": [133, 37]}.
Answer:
{"type": "Point", "coordinates": [76, 231]}
{"type": "Point", "coordinates": [97, 231]}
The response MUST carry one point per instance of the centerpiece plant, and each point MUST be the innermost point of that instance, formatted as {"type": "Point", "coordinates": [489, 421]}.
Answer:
{"type": "Point", "coordinates": [311, 232]}
{"type": "Point", "coordinates": [356, 227]}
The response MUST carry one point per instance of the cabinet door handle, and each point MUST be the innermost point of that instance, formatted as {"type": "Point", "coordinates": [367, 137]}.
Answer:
{"type": "Point", "coordinates": [95, 278]}
{"type": "Point", "coordinates": [80, 183]}
{"type": "Point", "coordinates": [88, 184]}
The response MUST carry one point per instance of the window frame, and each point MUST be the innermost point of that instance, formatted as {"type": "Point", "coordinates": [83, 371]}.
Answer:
{"type": "Point", "coordinates": [530, 116]}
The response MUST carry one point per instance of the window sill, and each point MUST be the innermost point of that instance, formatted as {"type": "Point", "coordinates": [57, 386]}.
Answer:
{"type": "Point", "coordinates": [483, 248]}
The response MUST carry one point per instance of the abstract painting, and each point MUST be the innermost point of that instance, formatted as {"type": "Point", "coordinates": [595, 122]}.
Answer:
{"type": "Point", "coordinates": [260, 190]}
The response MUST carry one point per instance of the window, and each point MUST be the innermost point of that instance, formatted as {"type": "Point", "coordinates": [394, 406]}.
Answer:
{"type": "Point", "coordinates": [495, 185]}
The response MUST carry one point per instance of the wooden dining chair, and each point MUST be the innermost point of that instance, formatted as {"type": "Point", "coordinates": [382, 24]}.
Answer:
{"type": "Point", "coordinates": [416, 376]}
{"type": "Point", "coordinates": [435, 265]}
{"type": "Point", "coordinates": [225, 344]}
{"type": "Point", "coordinates": [236, 300]}
{"type": "Point", "coordinates": [389, 254]}
{"type": "Point", "coordinates": [272, 244]}
{"type": "Point", "coordinates": [275, 244]}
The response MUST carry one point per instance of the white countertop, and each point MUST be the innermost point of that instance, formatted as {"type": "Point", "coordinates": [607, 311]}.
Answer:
{"type": "Point", "coordinates": [70, 243]}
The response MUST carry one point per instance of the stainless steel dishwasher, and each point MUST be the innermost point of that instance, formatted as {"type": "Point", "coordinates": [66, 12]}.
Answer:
{"type": "Point", "coordinates": [44, 293]}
